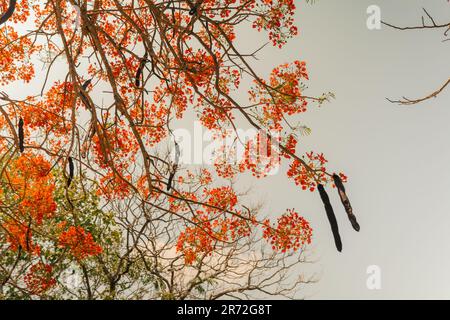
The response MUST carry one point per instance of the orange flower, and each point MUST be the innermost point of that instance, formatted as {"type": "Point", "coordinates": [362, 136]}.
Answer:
{"type": "Point", "coordinates": [291, 232]}
{"type": "Point", "coordinates": [39, 279]}
{"type": "Point", "coordinates": [20, 235]}
{"type": "Point", "coordinates": [79, 242]}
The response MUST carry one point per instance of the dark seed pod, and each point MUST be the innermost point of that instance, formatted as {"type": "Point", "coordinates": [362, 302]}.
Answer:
{"type": "Point", "coordinates": [86, 84]}
{"type": "Point", "coordinates": [193, 11]}
{"type": "Point", "coordinates": [71, 169]}
{"type": "Point", "coordinates": [169, 182]}
{"type": "Point", "coordinates": [138, 80]}
{"type": "Point", "coordinates": [9, 12]}
{"type": "Point", "coordinates": [139, 73]}
{"type": "Point", "coordinates": [21, 136]}
{"type": "Point", "coordinates": [331, 217]}
{"type": "Point", "coordinates": [85, 100]}
{"type": "Point", "coordinates": [28, 236]}
{"type": "Point", "coordinates": [174, 166]}
{"type": "Point", "coordinates": [345, 202]}
{"type": "Point", "coordinates": [171, 176]}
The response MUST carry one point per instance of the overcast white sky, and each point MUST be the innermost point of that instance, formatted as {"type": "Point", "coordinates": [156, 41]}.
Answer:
{"type": "Point", "coordinates": [397, 158]}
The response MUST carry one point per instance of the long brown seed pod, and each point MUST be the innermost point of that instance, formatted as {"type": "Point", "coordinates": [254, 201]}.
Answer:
{"type": "Point", "coordinates": [28, 235]}
{"type": "Point", "coordinates": [171, 176]}
{"type": "Point", "coordinates": [9, 12]}
{"type": "Point", "coordinates": [331, 217]}
{"type": "Point", "coordinates": [169, 182]}
{"type": "Point", "coordinates": [193, 11]}
{"type": "Point", "coordinates": [71, 169]}
{"type": "Point", "coordinates": [174, 166]}
{"type": "Point", "coordinates": [21, 136]}
{"type": "Point", "coordinates": [346, 202]}
{"type": "Point", "coordinates": [139, 71]}
{"type": "Point", "coordinates": [194, 8]}
{"type": "Point", "coordinates": [86, 84]}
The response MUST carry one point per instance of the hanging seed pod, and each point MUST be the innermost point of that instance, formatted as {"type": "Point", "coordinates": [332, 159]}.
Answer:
{"type": "Point", "coordinates": [85, 100]}
{"type": "Point", "coordinates": [86, 84]}
{"type": "Point", "coordinates": [71, 169]}
{"type": "Point", "coordinates": [138, 77]}
{"type": "Point", "coordinates": [139, 71]}
{"type": "Point", "coordinates": [171, 176]}
{"type": "Point", "coordinates": [169, 182]}
{"type": "Point", "coordinates": [193, 10]}
{"type": "Point", "coordinates": [345, 202]}
{"type": "Point", "coordinates": [175, 166]}
{"type": "Point", "coordinates": [28, 235]}
{"type": "Point", "coordinates": [331, 217]}
{"type": "Point", "coordinates": [9, 12]}
{"type": "Point", "coordinates": [21, 136]}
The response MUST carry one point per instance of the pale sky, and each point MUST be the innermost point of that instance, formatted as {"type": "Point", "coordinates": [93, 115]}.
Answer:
{"type": "Point", "coordinates": [397, 158]}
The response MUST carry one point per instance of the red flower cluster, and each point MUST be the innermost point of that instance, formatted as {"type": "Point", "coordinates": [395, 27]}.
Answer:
{"type": "Point", "coordinates": [307, 179]}
{"type": "Point", "coordinates": [261, 156]}
{"type": "Point", "coordinates": [112, 186]}
{"type": "Point", "coordinates": [214, 225]}
{"type": "Point", "coordinates": [39, 278]}
{"type": "Point", "coordinates": [291, 233]}
{"type": "Point", "coordinates": [180, 206]}
{"type": "Point", "coordinates": [32, 187]}
{"type": "Point", "coordinates": [79, 242]}
{"type": "Point", "coordinates": [222, 197]}
{"type": "Point", "coordinates": [282, 95]}
{"type": "Point", "coordinates": [20, 235]}
{"type": "Point", "coordinates": [277, 17]}
{"type": "Point", "coordinates": [290, 145]}
{"type": "Point", "coordinates": [32, 181]}
{"type": "Point", "coordinates": [208, 232]}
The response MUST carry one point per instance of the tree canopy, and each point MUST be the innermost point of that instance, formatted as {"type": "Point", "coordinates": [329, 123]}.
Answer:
{"type": "Point", "coordinates": [94, 201]}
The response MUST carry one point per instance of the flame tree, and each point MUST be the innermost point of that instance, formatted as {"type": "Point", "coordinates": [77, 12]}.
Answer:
{"type": "Point", "coordinates": [91, 204]}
